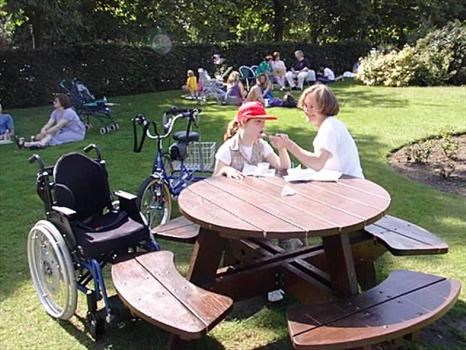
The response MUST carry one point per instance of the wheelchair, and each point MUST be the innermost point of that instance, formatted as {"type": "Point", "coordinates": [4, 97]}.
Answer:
{"type": "Point", "coordinates": [84, 230]}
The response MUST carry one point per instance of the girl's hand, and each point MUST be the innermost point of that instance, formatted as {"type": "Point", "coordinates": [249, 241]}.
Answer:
{"type": "Point", "coordinates": [232, 173]}
{"type": "Point", "coordinates": [279, 140]}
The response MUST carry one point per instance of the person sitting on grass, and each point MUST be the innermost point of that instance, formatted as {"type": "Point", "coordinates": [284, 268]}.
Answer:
{"type": "Point", "coordinates": [235, 90]}
{"type": "Point", "coordinates": [190, 88]}
{"type": "Point", "coordinates": [325, 75]}
{"type": "Point", "coordinates": [63, 126]}
{"type": "Point", "coordinates": [7, 126]}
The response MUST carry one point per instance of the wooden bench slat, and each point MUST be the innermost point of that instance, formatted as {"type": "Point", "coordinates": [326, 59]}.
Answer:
{"type": "Point", "coordinates": [358, 322]}
{"type": "Point", "coordinates": [404, 238]}
{"type": "Point", "coordinates": [207, 306]}
{"type": "Point", "coordinates": [153, 289]}
{"type": "Point", "coordinates": [179, 229]}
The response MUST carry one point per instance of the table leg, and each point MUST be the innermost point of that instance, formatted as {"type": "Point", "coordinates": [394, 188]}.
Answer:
{"type": "Point", "coordinates": [206, 256]}
{"type": "Point", "coordinates": [340, 264]}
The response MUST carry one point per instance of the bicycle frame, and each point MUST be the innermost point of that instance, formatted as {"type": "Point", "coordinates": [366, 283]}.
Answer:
{"type": "Point", "coordinates": [176, 180]}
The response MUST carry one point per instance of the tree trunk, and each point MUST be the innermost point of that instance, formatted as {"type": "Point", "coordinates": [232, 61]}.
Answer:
{"type": "Point", "coordinates": [36, 31]}
{"type": "Point", "coordinates": [278, 20]}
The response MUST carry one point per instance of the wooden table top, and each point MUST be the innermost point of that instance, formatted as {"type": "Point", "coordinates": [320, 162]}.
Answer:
{"type": "Point", "coordinates": [255, 207]}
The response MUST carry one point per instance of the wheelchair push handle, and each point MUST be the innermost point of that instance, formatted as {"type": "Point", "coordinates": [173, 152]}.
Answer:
{"type": "Point", "coordinates": [36, 158]}
{"type": "Point", "coordinates": [94, 147]}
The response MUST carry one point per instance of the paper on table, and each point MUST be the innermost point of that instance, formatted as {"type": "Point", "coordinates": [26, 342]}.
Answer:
{"type": "Point", "coordinates": [298, 174]}
{"type": "Point", "coordinates": [252, 170]}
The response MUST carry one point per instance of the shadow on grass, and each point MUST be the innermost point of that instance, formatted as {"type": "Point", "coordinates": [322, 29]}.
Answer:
{"type": "Point", "coordinates": [136, 334]}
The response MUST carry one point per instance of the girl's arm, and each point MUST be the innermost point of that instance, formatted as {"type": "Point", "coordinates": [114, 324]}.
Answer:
{"type": "Point", "coordinates": [282, 161]}
{"type": "Point", "coordinates": [226, 170]}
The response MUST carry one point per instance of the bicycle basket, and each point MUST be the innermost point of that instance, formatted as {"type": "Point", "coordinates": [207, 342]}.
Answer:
{"type": "Point", "coordinates": [201, 156]}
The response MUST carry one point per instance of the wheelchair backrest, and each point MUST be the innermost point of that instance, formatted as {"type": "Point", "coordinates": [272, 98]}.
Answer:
{"type": "Point", "coordinates": [81, 184]}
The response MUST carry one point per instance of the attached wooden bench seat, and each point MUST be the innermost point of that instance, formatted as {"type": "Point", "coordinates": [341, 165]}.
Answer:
{"type": "Point", "coordinates": [151, 287]}
{"type": "Point", "coordinates": [401, 305]}
{"type": "Point", "coordinates": [179, 229]}
{"type": "Point", "coordinates": [401, 237]}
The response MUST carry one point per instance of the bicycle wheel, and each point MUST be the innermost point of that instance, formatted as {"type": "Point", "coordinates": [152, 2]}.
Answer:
{"type": "Point", "coordinates": [154, 201]}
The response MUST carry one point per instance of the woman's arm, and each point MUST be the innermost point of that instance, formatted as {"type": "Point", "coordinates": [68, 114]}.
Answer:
{"type": "Point", "coordinates": [53, 130]}
{"type": "Point", "coordinates": [226, 170]}
{"type": "Point", "coordinates": [308, 159]}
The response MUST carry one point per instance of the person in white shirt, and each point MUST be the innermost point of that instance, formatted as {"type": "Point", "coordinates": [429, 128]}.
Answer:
{"type": "Point", "coordinates": [278, 70]}
{"type": "Point", "coordinates": [325, 75]}
{"type": "Point", "coordinates": [334, 148]}
{"type": "Point", "coordinates": [244, 144]}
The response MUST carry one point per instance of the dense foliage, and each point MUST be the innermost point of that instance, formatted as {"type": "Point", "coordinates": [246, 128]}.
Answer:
{"type": "Point", "coordinates": [54, 22]}
{"type": "Point", "coordinates": [29, 77]}
{"type": "Point", "coordinates": [437, 59]}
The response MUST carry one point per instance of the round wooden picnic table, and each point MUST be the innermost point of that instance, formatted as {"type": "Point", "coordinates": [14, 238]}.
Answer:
{"type": "Point", "coordinates": [256, 207]}
{"type": "Point", "coordinates": [259, 208]}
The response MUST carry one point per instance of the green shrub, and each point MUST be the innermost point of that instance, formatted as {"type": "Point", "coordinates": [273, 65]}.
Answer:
{"type": "Point", "coordinates": [29, 77]}
{"type": "Point", "coordinates": [437, 59]}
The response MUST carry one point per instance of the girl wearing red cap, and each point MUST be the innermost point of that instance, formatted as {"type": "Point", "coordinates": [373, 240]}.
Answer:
{"type": "Point", "coordinates": [244, 144]}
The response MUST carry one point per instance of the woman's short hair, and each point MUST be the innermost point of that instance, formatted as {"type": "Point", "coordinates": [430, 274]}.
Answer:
{"type": "Point", "coordinates": [326, 99]}
{"type": "Point", "coordinates": [64, 100]}
{"type": "Point", "coordinates": [275, 55]}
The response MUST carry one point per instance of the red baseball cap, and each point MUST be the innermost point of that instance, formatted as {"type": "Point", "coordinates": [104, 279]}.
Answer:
{"type": "Point", "coordinates": [252, 110]}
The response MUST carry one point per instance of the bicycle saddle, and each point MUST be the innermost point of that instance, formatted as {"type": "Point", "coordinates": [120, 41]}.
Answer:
{"type": "Point", "coordinates": [181, 136]}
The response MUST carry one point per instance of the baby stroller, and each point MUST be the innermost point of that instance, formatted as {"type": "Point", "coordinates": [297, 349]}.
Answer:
{"type": "Point", "coordinates": [86, 105]}
{"type": "Point", "coordinates": [82, 232]}
{"type": "Point", "coordinates": [210, 88]}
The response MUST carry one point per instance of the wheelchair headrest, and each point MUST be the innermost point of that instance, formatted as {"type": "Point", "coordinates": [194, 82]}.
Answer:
{"type": "Point", "coordinates": [81, 184]}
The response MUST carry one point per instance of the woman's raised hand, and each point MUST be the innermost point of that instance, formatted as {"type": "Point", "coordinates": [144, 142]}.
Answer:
{"type": "Point", "coordinates": [279, 140]}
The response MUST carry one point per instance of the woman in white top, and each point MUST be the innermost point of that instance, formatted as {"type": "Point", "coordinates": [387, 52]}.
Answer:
{"type": "Point", "coordinates": [278, 70]}
{"type": "Point", "coordinates": [334, 148]}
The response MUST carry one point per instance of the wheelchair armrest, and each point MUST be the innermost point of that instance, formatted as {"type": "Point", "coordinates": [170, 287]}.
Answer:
{"type": "Point", "coordinates": [128, 204]}
{"type": "Point", "coordinates": [125, 195]}
{"type": "Point", "coordinates": [69, 213]}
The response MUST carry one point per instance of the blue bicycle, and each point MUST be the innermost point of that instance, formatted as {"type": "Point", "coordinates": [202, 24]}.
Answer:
{"type": "Point", "coordinates": [188, 160]}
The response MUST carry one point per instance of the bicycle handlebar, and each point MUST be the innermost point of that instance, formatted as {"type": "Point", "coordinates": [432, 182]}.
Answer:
{"type": "Point", "coordinates": [169, 119]}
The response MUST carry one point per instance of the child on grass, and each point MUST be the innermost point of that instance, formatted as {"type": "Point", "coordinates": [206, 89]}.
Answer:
{"type": "Point", "coordinates": [191, 84]}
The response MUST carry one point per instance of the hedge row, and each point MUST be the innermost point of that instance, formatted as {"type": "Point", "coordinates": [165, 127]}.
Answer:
{"type": "Point", "coordinates": [30, 77]}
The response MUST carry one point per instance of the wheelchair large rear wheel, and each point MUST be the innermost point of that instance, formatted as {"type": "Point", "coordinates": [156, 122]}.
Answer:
{"type": "Point", "coordinates": [52, 270]}
{"type": "Point", "coordinates": [155, 201]}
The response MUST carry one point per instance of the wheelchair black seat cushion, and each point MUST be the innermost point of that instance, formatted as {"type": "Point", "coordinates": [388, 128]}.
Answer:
{"type": "Point", "coordinates": [81, 184]}
{"type": "Point", "coordinates": [112, 232]}
{"type": "Point", "coordinates": [181, 136]}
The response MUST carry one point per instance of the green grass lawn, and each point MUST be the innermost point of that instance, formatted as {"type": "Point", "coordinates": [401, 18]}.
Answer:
{"type": "Point", "coordinates": [380, 119]}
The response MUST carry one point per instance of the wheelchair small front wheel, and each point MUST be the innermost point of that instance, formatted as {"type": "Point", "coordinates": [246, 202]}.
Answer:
{"type": "Point", "coordinates": [155, 201]}
{"type": "Point", "coordinates": [52, 270]}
